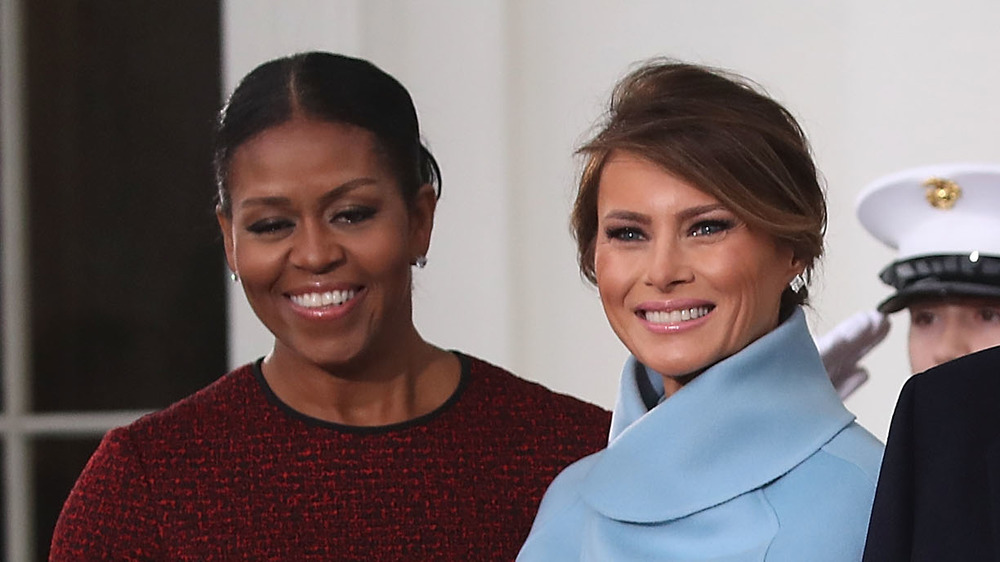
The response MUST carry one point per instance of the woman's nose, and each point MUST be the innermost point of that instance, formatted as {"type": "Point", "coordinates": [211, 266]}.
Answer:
{"type": "Point", "coordinates": [667, 265]}
{"type": "Point", "coordinates": [316, 249]}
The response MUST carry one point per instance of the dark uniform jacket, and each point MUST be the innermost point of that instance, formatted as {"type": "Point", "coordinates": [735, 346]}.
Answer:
{"type": "Point", "coordinates": [938, 495]}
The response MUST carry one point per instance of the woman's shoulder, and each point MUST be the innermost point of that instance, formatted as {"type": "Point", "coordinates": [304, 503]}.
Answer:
{"type": "Point", "coordinates": [208, 408]}
{"type": "Point", "coordinates": [561, 516]}
{"type": "Point", "coordinates": [823, 504]}
{"type": "Point", "coordinates": [839, 478]}
{"type": "Point", "coordinates": [845, 469]}
{"type": "Point", "coordinates": [859, 448]}
{"type": "Point", "coordinates": [565, 488]}
{"type": "Point", "coordinates": [515, 392]}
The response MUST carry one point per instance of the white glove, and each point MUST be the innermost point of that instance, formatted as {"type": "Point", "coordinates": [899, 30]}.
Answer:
{"type": "Point", "coordinates": [843, 347]}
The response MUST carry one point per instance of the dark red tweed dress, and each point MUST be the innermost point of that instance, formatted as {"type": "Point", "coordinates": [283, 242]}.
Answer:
{"type": "Point", "coordinates": [230, 473]}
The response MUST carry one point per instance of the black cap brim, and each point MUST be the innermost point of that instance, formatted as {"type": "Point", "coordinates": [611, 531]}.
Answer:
{"type": "Point", "coordinates": [940, 276]}
{"type": "Point", "coordinates": [936, 289]}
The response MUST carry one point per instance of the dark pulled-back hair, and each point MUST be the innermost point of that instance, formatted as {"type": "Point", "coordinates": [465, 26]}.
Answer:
{"type": "Point", "coordinates": [332, 88]}
{"type": "Point", "coordinates": [719, 132]}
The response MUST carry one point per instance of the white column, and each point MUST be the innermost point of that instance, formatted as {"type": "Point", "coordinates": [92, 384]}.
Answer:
{"type": "Point", "coordinates": [254, 31]}
{"type": "Point", "coordinates": [18, 481]}
{"type": "Point", "coordinates": [453, 58]}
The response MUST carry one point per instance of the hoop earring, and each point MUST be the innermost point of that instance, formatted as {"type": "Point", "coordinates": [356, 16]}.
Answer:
{"type": "Point", "coordinates": [420, 262]}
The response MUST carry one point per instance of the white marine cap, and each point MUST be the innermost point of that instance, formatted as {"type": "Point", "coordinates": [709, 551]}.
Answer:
{"type": "Point", "coordinates": [945, 222]}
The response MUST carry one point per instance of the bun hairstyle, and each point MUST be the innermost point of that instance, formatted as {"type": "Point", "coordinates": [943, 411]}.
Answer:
{"type": "Point", "coordinates": [332, 88]}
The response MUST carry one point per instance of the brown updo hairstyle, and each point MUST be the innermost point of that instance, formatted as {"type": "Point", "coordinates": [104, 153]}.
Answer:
{"type": "Point", "coordinates": [719, 132]}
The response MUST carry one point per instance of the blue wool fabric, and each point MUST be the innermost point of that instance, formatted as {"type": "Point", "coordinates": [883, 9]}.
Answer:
{"type": "Point", "coordinates": [756, 459]}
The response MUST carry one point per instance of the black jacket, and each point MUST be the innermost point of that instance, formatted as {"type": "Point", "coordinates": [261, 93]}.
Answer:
{"type": "Point", "coordinates": [938, 495]}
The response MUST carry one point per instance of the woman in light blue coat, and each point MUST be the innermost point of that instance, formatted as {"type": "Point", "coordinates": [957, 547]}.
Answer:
{"type": "Point", "coordinates": [700, 217]}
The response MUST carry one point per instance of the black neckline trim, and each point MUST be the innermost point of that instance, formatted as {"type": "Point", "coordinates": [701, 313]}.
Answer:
{"type": "Point", "coordinates": [463, 381]}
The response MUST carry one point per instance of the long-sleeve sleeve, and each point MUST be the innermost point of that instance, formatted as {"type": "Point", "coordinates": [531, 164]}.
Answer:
{"type": "Point", "coordinates": [108, 515]}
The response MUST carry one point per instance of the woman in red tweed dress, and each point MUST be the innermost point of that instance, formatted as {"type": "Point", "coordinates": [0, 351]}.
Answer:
{"type": "Point", "coordinates": [353, 439]}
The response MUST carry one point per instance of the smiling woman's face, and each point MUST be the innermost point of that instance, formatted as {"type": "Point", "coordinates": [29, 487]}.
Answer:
{"type": "Point", "coordinates": [322, 241]}
{"type": "Point", "coordinates": [684, 282]}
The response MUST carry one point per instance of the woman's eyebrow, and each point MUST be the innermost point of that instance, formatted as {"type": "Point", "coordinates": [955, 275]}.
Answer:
{"type": "Point", "coordinates": [692, 212]}
{"type": "Point", "coordinates": [629, 216]}
{"type": "Point", "coordinates": [684, 214]}
{"type": "Point", "coordinates": [332, 195]}
{"type": "Point", "coordinates": [345, 188]}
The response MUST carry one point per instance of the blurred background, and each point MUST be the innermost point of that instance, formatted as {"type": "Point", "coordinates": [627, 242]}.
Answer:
{"type": "Point", "coordinates": [115, 299]}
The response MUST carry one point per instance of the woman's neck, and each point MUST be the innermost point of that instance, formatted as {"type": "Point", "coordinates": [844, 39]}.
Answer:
{"type": "Point", "coordinates": [376, 389]}
{"type": "Point", "coordinates": [672, 384]}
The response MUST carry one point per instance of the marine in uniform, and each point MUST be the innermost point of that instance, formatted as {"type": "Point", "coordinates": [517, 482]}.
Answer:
{"type": "Point", "coordinates": [938, 495]}
{"type": "Point", "coordinates": [944, 223]}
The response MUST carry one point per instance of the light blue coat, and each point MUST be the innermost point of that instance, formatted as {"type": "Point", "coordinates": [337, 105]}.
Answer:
{"type": "Point", "coordinates": [755, 459]}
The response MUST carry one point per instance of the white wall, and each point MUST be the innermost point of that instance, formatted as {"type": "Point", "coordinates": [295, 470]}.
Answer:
{"type": "Point", "coordinates": [507, 90]}
{"type": "Point", "coordinates": [462, 298]}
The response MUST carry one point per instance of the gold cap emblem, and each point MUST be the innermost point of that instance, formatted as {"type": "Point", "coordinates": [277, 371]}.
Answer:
{"type": "Point", "coordinates": [942, 193]}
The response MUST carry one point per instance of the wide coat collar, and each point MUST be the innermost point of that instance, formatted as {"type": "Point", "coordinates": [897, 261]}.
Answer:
{"type": "Point", "coordinates": [741, 424]}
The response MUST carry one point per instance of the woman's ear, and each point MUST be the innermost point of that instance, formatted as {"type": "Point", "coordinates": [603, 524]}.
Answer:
{"type": "Point", "coordinates": [796, 265]}
{"type": "Point", "coordinates": [226, 226]}
{"type": "Point", "coordinates": [422, 220]}
{"type": "Point", "coordinates": [798, 268]}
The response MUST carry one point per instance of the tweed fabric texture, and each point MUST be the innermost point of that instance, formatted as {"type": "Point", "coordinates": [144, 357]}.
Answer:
{"type": "Point", "coordinates": [231, 473]}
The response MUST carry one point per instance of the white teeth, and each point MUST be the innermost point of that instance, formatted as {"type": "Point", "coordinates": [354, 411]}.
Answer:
{"type": "Point", "coordinates": [316, 300]}
{"type": "Point", "coordinates": [675, 316]}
